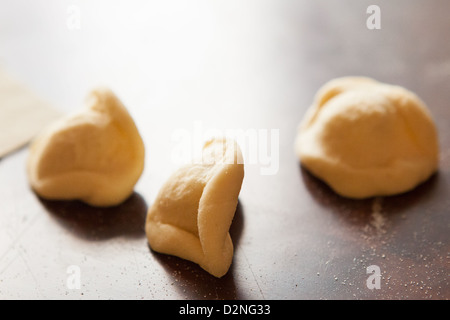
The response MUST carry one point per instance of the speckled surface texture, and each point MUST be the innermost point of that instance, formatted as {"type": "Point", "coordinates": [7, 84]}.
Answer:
{"type": "Point", "coordinates": [190, 67]}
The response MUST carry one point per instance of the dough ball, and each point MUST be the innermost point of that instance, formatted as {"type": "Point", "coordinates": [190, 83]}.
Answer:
{"type": "Point", "coordinates": [95, 155]}
{"type": "Point", "coordinates": [192, 213]}
{"type": "Point", "coordinates": [365, 138]}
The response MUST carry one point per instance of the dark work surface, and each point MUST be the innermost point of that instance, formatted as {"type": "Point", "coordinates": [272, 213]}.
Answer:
{"type": "Point", "coordinates": [229, 65]}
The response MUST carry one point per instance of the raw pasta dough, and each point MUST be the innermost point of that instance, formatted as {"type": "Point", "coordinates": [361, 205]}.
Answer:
{"type": "Point", "coordinates": [193, 211]}
{"type": "Point", "coordinates": [22, 114]}
{"type": "Point", "coordinates": [95, 155]}
{"type": "Point", "coordinates": [365, 138]}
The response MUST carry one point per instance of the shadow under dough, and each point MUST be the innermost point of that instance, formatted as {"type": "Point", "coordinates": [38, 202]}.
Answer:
{"type": "Point", "coordinates": [357, 211]}
{"type": "Point", "coordinates": [100, 223]}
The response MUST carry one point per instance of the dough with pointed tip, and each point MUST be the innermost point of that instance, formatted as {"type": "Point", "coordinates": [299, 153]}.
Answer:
{"type": "Point", "coordinates": [192, 213]}
{"type": "Point", "coordinates": [95, 155]}
{"type": "Point", "coordinates": [365, 138]}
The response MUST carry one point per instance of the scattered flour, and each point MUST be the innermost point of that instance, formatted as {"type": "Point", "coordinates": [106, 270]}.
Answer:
{"type": "Point", "coordinates": [378, 220]}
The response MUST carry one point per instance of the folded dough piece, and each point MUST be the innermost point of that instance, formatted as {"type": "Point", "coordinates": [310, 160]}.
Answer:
{"type": "Point", "coordinates": [193, 211]}
{"type": "Point", "coordinates": [365, 138]}
{"type": "Point", "coordinates": [95, 155]}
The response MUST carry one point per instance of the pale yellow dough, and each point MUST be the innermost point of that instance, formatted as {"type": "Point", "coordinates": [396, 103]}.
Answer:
{"type": "Point", "coordinates": [365, 138]}
{"type": "Point", "coordinates": [95, 155]}
{"type": "Point", "coordinates": [191, 215]}
{"type": "Point", "coordinates": [22, 114]}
